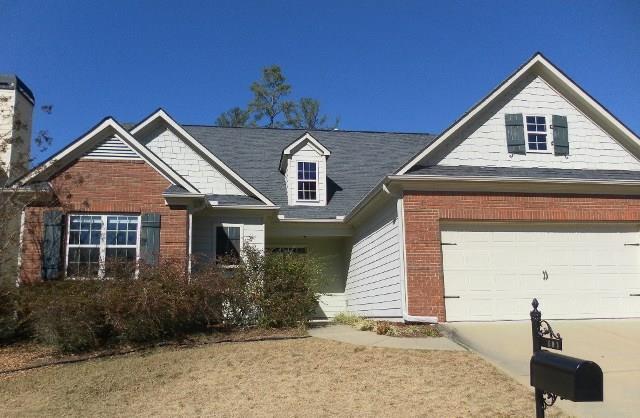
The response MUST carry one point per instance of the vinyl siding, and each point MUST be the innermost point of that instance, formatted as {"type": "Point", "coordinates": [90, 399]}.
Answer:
{"type": "Point", "coordinates": [373, 279]}
{"type": "Point", "coordinates": [589, 146]}
{"type": "Point", "coordinates": [189, 164]}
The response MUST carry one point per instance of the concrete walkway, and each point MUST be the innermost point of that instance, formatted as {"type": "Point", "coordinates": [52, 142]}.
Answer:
{"type": "Point", "coordinates": [613, 344]}
{"type": "Point", "coordinates": [347, 334]}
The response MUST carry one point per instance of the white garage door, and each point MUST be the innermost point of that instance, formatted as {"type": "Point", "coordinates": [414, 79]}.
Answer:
{"type": "Point", "coordinates": [493, 271]}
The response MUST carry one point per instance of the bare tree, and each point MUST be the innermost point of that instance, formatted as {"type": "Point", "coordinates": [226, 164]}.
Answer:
{"type": "Point", "coordinates": [15, 129]}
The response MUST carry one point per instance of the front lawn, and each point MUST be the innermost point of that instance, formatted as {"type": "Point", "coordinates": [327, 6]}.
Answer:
{"type": "Point", "coordinates": [283, 378]}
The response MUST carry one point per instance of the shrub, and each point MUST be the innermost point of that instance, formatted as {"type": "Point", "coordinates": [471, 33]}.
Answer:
{"type": "Point", "coordinates": [68, 315]}
{"type": "Point", "coordinates": [9, 320]}
{"type": "Point", "coordinates": [347, 318]}
{"type": "Point", "coordinates": [383, 327]}
{"type": "Point", "coordinates": [276, 289]}
{"type": "Point", "coordinates": [366, 325]}
{"type": "Point", "coordinates": [79, 315]}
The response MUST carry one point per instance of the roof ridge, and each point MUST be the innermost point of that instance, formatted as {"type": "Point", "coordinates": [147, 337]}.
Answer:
{"type": "Point", "coordinates": [306, 130]}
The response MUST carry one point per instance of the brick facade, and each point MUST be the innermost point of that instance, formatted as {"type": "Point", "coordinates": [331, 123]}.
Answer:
{"type": "Point", "coordinates": [102, 186]}
{"type": "Point", "coordinates": [424, 212]}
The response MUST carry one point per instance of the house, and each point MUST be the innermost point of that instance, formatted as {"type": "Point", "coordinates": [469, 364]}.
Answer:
{"type": "Point", "coordinates": [533, 192]}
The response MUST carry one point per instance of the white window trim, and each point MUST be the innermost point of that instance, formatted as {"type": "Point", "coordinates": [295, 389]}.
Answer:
{"type": "Point", "coordinates": [215, 239]}
{"type": "Point", "coordinates": [548, 133]}
{"type": "Point", "coordinates": [317, 199]}
{"type": "Point", "coordinates": [103, 243]}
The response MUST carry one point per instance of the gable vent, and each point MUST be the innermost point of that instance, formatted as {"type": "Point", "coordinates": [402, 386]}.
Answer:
{"type": "Point", "coordinates": [113, 149]}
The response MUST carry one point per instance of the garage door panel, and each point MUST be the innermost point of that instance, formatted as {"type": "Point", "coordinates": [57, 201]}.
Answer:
{"type": "Point", "coordinates": [496, 269]}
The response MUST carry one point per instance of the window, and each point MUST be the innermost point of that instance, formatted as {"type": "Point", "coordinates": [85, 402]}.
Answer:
{"type": "Point", "coordinates": [96, 243]}
{"type": "Point", "coordinates": [307, 181]}
{"type": "Point", "coordinates": [228, 241]}
{"type": "Point", "coordinates": [537, 133]}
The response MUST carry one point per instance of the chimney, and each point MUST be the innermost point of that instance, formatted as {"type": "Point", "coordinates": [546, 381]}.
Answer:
{"type": "Point", "coordinates": [16, 113]}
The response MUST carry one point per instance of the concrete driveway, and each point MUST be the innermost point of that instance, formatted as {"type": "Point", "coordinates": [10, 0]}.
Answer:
{"type": "Point", "coordinates": [613, 344]}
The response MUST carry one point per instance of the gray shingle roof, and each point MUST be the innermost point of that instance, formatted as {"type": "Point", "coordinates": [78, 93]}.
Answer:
{"type": "Point", "coordinates": [174, 188]}
{"type": "Point", "coordinates": [551, 173]}
{"type": "Point", "coordinates": [358, 161]}
{"type": "Point", "coordinates": [223, 199]}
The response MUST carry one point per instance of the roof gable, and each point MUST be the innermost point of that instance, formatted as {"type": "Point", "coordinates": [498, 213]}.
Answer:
{"type": "Point", "coordinates": [160, 116]}
{"type": "Point", "coordinates": [537, 66]}
{"type": "Point", "coordinates": [108, 128]}
{"type": "Point", "coordinates": [295, 146]}
{"type": "Point", "coordinates": [112, 148]}
{"type": "Point", "coordinates": [484, 142]}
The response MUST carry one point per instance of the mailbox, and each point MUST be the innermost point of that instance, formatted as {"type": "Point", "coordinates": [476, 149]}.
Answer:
{"type": "Point", "coordinates": [568, 377]}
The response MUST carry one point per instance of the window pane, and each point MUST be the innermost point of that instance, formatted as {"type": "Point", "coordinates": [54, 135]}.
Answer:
{"type": "Point", "coordinates": [228, 241]}
{"type": "Point", "coordinates": [95, 237]}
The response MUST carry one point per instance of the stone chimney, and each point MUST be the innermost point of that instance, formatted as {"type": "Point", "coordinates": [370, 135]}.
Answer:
{"type": "Point", "coordinates": [16, 113]}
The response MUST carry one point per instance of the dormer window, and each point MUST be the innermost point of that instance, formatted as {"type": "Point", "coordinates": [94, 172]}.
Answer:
{"type": "Point", "coordinates": [307, 181]}
{"type": "Point", "coordinates": [304, 165]}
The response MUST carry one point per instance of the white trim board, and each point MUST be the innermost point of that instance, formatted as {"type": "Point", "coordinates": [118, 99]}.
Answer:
{"type": "Point", "coordinates": [306, 137]}
{"type": "Point", "coordinates": [539, 65]}
{"type": "Point", "coordinates": [160, 114]}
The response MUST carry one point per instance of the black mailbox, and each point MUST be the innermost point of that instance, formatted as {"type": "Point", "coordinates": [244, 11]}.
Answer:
{"type": "Point", "coordinates": [568, 377]}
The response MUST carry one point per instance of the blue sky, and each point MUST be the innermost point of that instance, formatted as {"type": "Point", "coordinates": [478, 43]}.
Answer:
{"type": "Point", "coordinates": [411, 66]}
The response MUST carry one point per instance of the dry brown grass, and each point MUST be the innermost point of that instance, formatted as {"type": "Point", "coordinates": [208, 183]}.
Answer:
{"type": "Point", "coordinates": [308, 377]}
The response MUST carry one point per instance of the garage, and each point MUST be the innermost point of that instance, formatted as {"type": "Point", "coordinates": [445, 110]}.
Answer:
{"type": "Point", "coordinates": [577, 271]}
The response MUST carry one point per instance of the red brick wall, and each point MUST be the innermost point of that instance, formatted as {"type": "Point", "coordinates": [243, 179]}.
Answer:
{"type": "Point", "coordinates": [424, 211]}
{"type": "Point", "coordinates": [107, 186]}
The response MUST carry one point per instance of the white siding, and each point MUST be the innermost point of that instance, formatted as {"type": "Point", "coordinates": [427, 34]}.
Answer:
{"type": "Point", "coordinates": [590, 147]}
{"type": "Point", "coordinates": [307, 153]}
{"type": "Point", "coordinates": [189, 164]}
{"type": "Point", "coordinates": [373, 280]}
{"type": "Point", "coordinates": [113, 148]}
{"type": "Point", "coordinates": [203, 231]}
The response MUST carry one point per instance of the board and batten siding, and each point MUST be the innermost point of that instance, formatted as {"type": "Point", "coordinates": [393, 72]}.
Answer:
{"type": "Point", "coordinates": [189, 164]}
{"type": "Point", "coordinates": [374, 276]}
{"type": "Point", "coordinates": [590, 147]}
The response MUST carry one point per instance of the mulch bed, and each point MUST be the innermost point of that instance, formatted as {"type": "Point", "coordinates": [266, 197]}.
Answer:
{"type": "Point", "coordinates": [25, 356]}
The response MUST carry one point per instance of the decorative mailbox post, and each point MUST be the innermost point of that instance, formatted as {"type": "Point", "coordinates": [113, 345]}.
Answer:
{"type": "Point", "coordinates": [555, 375]}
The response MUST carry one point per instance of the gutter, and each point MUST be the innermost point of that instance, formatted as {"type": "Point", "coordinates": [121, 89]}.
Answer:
{"type": "Point", "coordinates": [337, 220]}
{"type": "Point", "coordinates": [500, 179]}
{"type": "Point", "coordinates": [259, 207]}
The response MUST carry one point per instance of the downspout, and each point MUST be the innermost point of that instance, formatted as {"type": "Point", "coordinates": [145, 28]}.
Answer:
{"type": "Point", "coordinates": [399, 196]}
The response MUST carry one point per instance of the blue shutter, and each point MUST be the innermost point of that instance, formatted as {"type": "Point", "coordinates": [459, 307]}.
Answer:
{"type": "Point", "coordinates": [52, 244]}
{"type": "Point", "coordinates": [150, 238]}
{"type": "Point", "coordinates": [560, 135]}
{"type": "Point", "coordinates": [515, 133]}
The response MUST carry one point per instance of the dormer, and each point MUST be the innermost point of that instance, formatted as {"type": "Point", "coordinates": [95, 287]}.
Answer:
{"type": "Point", "coordinates": [304, 165]}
